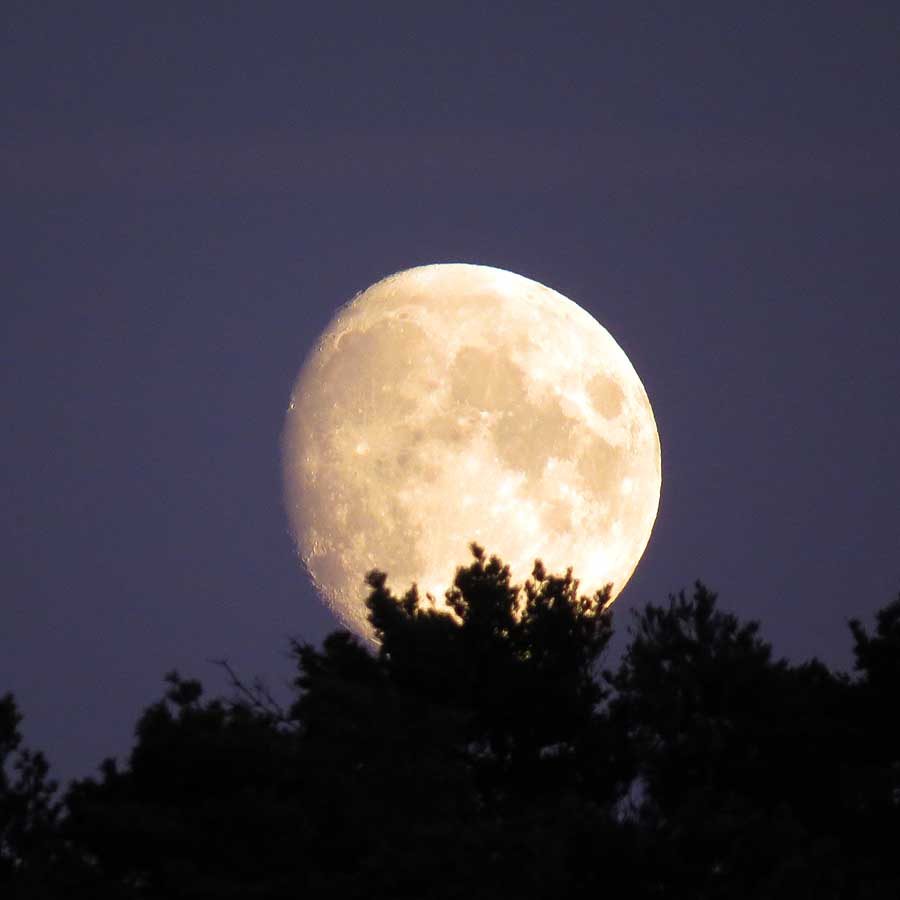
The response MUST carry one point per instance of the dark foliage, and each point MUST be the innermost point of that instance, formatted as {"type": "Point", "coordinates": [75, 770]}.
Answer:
{"type": "Point", "coordinates": [28, 813]}
{"type": "Point", "coordinates": [480, 753]}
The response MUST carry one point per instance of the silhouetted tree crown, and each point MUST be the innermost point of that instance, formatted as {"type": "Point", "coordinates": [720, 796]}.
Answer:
{"type": "Point", "coordinates": [479, 751]}
{"type": "Point", "coordinates": [518, 662]}
{"type": "Point", "coordinates": [28, 812]}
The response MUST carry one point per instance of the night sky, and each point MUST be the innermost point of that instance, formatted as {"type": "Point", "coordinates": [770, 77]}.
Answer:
{"type": "Point", "coordinates": [190, 190]}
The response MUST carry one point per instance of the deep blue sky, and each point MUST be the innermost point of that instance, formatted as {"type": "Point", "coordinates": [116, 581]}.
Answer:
{"type": "Point", "coordinates": [190, 190]}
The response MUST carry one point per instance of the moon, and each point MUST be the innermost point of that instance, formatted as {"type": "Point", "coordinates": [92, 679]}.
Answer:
{"type": "Point", "coordinates": [453, 403]}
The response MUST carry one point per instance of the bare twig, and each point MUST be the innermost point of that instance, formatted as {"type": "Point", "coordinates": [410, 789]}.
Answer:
{"type": "Point", "coordinates": [258, 696]}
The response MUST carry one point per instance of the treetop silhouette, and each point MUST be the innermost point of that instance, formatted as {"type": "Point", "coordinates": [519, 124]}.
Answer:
{"type": "Point", "coordinates": [481, 752]}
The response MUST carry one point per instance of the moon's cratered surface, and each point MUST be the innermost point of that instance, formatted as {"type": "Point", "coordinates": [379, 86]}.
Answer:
{"type": "Point", "coordinates": [455, 403]}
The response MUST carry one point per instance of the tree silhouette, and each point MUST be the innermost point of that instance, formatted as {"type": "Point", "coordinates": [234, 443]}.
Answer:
{"type": "Point", "coordinates": [28, 811]}
{"type": "Point", "coordinates": [735, 752]}
{"type": "Point", "coordinates": [517, 665]}
{"type": "Point", "coordinates": [876, 723]}
{"type": "Point", "coordinates": [205, 806]}
{"type": "Point", "coordinates": [480, 752]}
{"type": "Point", "coordinates": [464, 744]}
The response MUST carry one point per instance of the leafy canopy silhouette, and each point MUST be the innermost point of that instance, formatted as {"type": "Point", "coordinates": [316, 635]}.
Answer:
{"type": "Point", "coordinates": [481, 751]}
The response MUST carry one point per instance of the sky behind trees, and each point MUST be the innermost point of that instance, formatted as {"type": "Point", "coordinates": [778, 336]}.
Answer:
{"type": "Point", "coordinates": [190, 193]}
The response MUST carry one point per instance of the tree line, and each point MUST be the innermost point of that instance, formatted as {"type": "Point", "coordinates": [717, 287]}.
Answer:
{"type": "Point", "coordinates": [486, 752]}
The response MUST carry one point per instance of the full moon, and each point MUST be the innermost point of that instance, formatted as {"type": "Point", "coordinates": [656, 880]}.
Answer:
{"type": "Point", "coordinates": [455, 403]}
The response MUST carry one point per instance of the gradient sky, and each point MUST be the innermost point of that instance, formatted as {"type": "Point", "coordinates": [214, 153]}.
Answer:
{"type": "Point", "coordinates": [190, 190]}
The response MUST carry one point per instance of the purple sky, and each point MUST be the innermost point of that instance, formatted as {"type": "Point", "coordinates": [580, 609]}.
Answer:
{"type": "Point", "coordinates": [189, 191]}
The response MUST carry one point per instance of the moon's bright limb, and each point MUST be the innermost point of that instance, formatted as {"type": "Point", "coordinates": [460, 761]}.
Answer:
{"type": "Point", "coordinates": [455, 403]}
